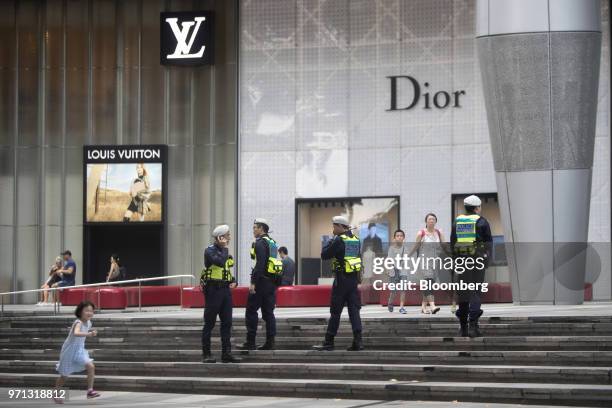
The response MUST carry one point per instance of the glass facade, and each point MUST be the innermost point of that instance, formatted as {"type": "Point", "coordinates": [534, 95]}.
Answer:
{"type": "Point", "coordinates": [75, 72]}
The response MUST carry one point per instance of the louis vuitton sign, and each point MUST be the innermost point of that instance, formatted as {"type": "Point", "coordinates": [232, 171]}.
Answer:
{"type": "Point", "coordinates": [186, 38]}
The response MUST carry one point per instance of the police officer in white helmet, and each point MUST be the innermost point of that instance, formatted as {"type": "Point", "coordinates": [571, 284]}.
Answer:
{"type": "Point", "coordinates": [470, 238]}
{"type": "Point", "coordinates": [345, 252]}
{"type": "Point", "coordinates": [217, 281]}
{"type": "Point", "coordinates": [265, 278]}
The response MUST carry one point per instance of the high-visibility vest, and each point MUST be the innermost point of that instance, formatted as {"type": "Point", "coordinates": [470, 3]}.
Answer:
{"type": "Point", "coordinates": [465, 231]}
{"type": "Point", "coordinates": [275, 265]}
{"type": "Point", "coordinates": [352, 258]}
{"type": "Point", "coordinates": [218, 273]}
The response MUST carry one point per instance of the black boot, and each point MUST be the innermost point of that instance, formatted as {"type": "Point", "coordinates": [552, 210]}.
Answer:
{"type": "Point", "coordinates": [268, 345]}
{"type": "Point", "coordinates": [328, 344]}
{"type": "Point", "coordinates": [206, 356]}
{"type": "Point", "coordinates": [474, 330]}
{"type": "Point", "coordinates": [463, 320]}
{"type": "Point", "coordinates": [357, 343]}
{"type": "Point", "coordinates": [249, 344]}
{"type": "Point", "coordinates": [463, 329]}
{"type": "Point", "coordinates": [226, 354]}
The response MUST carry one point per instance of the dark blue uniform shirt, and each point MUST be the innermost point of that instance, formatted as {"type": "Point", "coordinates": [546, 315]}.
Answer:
{"type": "Point", "coordinates": [262, 253]}
{"type": "Point", "coordinates": [334, 249]}
{"type": "Point", "coordinates": [216, 255]}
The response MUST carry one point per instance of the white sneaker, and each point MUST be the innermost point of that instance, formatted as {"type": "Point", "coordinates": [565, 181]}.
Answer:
{"type": "Point", "coordinates": [40, 304]}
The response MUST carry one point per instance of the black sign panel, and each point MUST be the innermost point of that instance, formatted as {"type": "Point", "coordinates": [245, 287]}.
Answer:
{"type": "Point", "coordinates": [125, 154]}
{"type": "Point", "coordinates": [187, 38]}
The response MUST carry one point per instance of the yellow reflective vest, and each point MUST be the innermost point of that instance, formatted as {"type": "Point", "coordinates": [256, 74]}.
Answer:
{"type": "Point", "coordinates": [352, 258]}
{"type": "Point", "coordinates": [465, 231]}
{"type": "Point", "coordinates": [218, 273]}
{"type": "Point", "coordinates": [275, 265]}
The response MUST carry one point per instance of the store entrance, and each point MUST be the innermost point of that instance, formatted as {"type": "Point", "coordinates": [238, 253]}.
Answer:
{"type": "Point", "coordinates": [140, 249]}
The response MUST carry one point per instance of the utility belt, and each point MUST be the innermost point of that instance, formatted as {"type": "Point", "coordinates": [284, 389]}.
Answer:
{"type": "Point", "coordinates": [216, 283]}
{"type": "Point", "coordinates": [274, 278]}
{"type": "Point", "coordinates": [474, 250]}
{"type": "Point", "coordinates": [341, 271]}
{"type": "Point", "coordinates": [347, 276]}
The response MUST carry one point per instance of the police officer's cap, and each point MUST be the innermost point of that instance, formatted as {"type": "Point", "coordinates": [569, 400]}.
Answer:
{"type": "Point", "coordinates": [261, 221]}
{"type": "Point", "coordinates": [220, 230]}
{"type": "Point", "coordinates": [339, 219]}
{"type": "Point", "coordinates": [472, 200]}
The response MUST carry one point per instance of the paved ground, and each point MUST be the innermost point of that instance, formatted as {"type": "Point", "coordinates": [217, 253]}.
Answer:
{"type": "Point", "coordinates": [118, 399]}
{"type": "Point", "coordinates": [498, 309]}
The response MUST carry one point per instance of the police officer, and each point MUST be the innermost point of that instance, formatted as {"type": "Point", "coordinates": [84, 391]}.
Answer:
{"type": "Point", "coordinates": [217, 280]}
{"type": "Point", "coordinates": [471, 238]}
{"type": "Point", "coordinates": [265, 278]}
{"type": "Point", "coordinates": [344, 252]}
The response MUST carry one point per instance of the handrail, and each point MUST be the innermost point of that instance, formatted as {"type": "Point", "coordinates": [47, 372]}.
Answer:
{"type": "Point", "coordinates": [139, 281]}
{"type": "Point", "coordinates": [99, 284]}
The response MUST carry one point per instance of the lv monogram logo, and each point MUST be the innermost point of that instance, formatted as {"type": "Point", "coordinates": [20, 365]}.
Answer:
{"type": "Point", "coordinates": [184, 41]}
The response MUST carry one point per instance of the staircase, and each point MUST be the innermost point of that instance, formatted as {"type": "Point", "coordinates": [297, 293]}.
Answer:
{"type": "Point", "coordinates": [534, 360]}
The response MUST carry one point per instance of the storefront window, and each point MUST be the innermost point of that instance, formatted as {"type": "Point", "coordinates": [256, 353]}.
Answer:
{"type": "Point", "coordinates": [373, 219]}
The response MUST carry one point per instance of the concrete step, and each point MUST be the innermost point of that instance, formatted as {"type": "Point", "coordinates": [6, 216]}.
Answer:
{"type": "Point", "coordinates": [548, 343]}
{"type": "Point", "coordinates": [309, 370]}
{"type": "Point", "coordinates": [394, 320]}
{"type": "Point", "coordinates": [552, 358]}
{"type": "Point", "coordinates": [388, 330]}
{"type": "Point", "coordinates": [540, 393]}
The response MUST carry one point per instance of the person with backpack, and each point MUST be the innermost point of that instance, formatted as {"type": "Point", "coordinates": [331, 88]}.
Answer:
{"type": "Point", "coordinates": [428, 246]}
{"type": "Point", "coordinates": [344, 252]}
{"type": "Point", "coordinates": [266, 276]}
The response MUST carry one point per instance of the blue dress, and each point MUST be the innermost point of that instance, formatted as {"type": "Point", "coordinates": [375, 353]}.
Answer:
{"type": "Point", "coordinates": [73, 356]}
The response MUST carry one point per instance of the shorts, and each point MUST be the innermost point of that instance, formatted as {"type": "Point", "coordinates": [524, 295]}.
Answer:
{"type": "Point", "coordinates": [133, 207]}
{"type": "Point", "coordinates": [52, 280]}
{"type": "Point", "coordinates": [64, 283]}
{"type": "Point", "coordinates": [397, 278]}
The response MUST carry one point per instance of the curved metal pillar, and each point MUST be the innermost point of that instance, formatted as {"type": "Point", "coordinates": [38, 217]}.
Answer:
{"type": "Point", "coordinates": [539, 61]}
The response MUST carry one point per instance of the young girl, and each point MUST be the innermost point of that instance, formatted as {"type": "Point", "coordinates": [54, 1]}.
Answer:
{"type": "Point", "coordinates": [73, 357]}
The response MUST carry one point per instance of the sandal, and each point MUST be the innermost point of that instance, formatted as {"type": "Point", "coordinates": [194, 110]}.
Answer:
{"type": "Point", "coordinates": [92, 394]}
{"type": "Point", "coordinates": [436, 310]}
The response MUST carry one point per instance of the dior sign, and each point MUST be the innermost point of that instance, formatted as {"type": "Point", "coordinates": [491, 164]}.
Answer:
{"type": "Point", "coordinates": [186, 38]}
{"type": "Point", "coordinates": [419, 94]}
